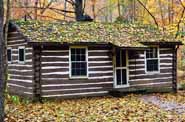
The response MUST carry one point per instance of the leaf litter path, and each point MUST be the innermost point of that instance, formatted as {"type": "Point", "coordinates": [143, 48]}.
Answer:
{"type": "Point", "coordinates": [165, 105]}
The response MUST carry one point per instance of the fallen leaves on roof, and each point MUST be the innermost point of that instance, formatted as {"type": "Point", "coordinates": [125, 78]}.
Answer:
{"type": "Point", "coordinates": [119, 34]}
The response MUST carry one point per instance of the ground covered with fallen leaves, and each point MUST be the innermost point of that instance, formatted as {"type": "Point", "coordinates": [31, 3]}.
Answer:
{"type": "Point", "coordinates": [128, 108]}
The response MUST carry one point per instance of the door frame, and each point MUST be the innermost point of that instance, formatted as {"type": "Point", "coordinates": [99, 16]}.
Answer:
{"type": "Point", "coordinates": [127, 71]}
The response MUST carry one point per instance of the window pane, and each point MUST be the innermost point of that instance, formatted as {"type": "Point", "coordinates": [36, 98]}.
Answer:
{"type": "Point", "coordinates": [124, 76]}
{"type": "Point", "coordinates": [73, 57]}
{"type": "Point", "coordinates": [149, 53]}
{"type": "Point", "coordinates": [79, 69]}
{"type": "Point", "coordinates": [118, 76]}
{"type": "Point", "coordinates": [152, 53]}
{"type": "Point", "coordinates": [21, 54]}
{"type": "Point", "coordinates": [155, 53]}
{"type": "Point", "coordinates": [9, 55]}
{"type": "Point", "coordinates": [78, 54]}
{"type": "Point", "coordinates": [123, 58]}
{"type": "Point", "coordinates": [118, 63]}
{"type": "Point", "coordinates": [72, 51]}
{"type": "Point", "coordinates": [152, 65]}
{"type": "Point", "coordinates": [82, 51]}
{"type": "Point", "coordinates": [79, 64]}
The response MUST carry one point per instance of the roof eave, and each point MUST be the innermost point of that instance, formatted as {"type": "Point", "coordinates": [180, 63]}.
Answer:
{"type": "Point", "coordinates": [162, 43]}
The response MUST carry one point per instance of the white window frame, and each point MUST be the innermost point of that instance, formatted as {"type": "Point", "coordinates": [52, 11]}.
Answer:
{"type": "Point", "coordinates": [22, 62]}
{"type": "Point", "coordinates": [70, 66]}
{"type": "Point", "coordinates": [127, 70]}
{"type": "Point", "coordinates": [158, 58]}
{"type": "Point", "coordinates": [9, 48]}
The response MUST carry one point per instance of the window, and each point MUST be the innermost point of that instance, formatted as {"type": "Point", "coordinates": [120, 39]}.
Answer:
{"type": "Point", "coordinates": [152, 61]}
{"type": "Point", "coordinates": [9, 55]}
{"type": "Point", "coordinates": [21, 55]}
{"type": "Point", "coordinates": [78, 62]}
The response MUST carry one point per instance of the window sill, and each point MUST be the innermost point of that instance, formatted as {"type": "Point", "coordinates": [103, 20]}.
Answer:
{"type": "Point", "coordinates": [123, 86]}
{"type": "Point", "coordinates": [76, 78]}
{"type": "Point", "coordinates": [155, 72]}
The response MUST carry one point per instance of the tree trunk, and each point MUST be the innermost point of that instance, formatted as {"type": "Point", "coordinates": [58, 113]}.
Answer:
{"type": "Point", "coordinates": [119, 9]}
{"type": "Point", "coordinates": [93, 9]}
{"type": "Point", "coordinates": [161, 12]}
{"type": "Point", "coordinates": [65, 8]}
{"type": "Point", "coordinates": [36, 9]}
{"type": "Point", "coordinates": [8, 16]}
{"type": "Point", "coordinates": [133, 10]}
{"type": "Point", "coordinates": [26, 11]}
{"type": "Point", "coordinates": [79, 10]}
{"type": "Point", "coordinates": [1, 62]}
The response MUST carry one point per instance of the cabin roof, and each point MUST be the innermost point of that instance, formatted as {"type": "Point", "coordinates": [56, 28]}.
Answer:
{"type": "Point", "coordinates": [123, 35]}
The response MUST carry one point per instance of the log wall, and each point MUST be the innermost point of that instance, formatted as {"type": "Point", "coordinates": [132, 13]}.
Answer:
{"type": "Point", "coordinates": [139, 78]}
{"type": "Point", "coordinates": [55, 73]}
{"type": "Point", "coordinates": [20, 75]}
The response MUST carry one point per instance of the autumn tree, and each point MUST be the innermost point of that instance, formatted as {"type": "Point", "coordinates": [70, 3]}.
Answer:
{"type": "Point", "coordinates": [1, 61]}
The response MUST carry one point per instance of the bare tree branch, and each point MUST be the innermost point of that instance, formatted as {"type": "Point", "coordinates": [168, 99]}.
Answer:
{"type": "Point", "coordinates": [48, 5]}
{"type": "Point", "coordinates": [149, 13]}
{"type": "Point", "coordinates": [51, 8]}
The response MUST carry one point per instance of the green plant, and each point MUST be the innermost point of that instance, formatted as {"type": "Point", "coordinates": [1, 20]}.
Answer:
{"type": "Point", "coordinates": [15, 99]}
{"type": "Point", "coordinates": [18, 100]}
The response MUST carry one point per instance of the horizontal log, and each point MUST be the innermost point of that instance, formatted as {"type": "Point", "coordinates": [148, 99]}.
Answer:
{"type": "Point", "coordinates": [99, 59]}
{"type": "Point", "coordinates": [168, 84]}
{"type": "Point", "coordinates": [77, 87]}
{"type": "Point", "coordinates": [52, 48]}
{"type": "Point", "coordinates": [97, 47]}
{"type": "Point", "coordinates": [27, 57]}
{"type": "Point", "coordinates": [74, 91]}
{"type": "Point", "coordinates": [136, 72]}
{"type": "Point", "coordinates": [54, 59]}
{"type": "Point", "coordinates": [136, 62]}
{"type": "Point", "coordinates": [166, 56]}
{"type": "Point", "coordinates": [20, 93]}
{"type": "Point", "coordinates": [55, 64]}
{"type": "Point", "coordinates": [136, 67]}
{"type": "Point", "coordinates": [100, 74]}
{"type": "Point", "coordinates": [55, 53]}
{"type": "Point", "coordinates": [150, 81]}
{"type": "Point", "coordinates": [101, 69]}
{"type": "Point", "coordinates": [77, 95]}
{"type": "Point", "coordinates": [17, 45]}
{"type": "Point", "coordinates": [20, 73]}
{"type": "Point", "coordinates": [16, 42]}
{"type": "Point", "coordinates": [99, 51]}
{"type": "Point", "coordinates": [166, 61]}
{"type": "Point", "coordinates": [25, 84]}
{"type": "Point", "coordinates": [16, 33]}
{"type": "Point", "coordinates": [54, 70]}
{"type": "Point", "coordinates": [74, 81]}
{"type": "Point", "coordinates": [20, 89]}
{"type": "Point", "coordinates": [165, 66]}
{"type": "Point", "coordinates": [165, 51]}
{"type": "Point", "coordinates": [14, 38]}
{"type": "Point", "coordinates": [21, 77]}
{"type": "Point", "coordinates": [151, 76]}
{"type": "Point", "coordinates": [100, 64]}
{"type": "Point", "coordinates": [55, 76]}
{"type": "Point", "coordinates": [99, 54]}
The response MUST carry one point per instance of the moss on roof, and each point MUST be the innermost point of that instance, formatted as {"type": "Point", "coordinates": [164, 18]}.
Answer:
{"type": "Point", "coordinates": [126, 35]}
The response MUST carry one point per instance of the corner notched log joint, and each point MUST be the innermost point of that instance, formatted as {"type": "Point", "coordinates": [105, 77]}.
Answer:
{"type": "Point", "coordinates": [174, 71]}
{"type": "Point", "coordinates": [37, 73]}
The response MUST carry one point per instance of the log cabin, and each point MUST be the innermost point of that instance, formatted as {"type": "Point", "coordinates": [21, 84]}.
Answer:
{"type": "Point", "coordinates": [77, 59]}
